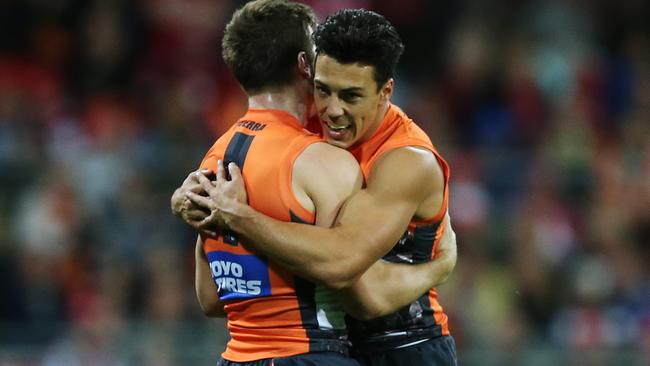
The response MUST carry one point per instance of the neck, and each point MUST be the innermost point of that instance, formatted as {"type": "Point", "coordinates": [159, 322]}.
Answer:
{"type": "Point", "coordinates": [381, 114]}
{"type": "Point", "coordinates": [290, 99]}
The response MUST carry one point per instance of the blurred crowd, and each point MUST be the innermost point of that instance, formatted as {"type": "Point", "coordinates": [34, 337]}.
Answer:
{"type": "Point", "coordinates": [542, 109]}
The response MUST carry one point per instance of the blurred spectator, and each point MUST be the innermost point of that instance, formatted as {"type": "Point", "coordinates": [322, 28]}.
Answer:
{"type": "Point", "coordinates": [542, 109]}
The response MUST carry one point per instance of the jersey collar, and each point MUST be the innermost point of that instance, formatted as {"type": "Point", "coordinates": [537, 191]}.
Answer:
{"type": "Point", "coordinates": [272, 116]}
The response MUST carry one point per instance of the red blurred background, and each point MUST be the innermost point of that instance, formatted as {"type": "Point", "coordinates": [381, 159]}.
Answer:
{"type": "Point", "coordinates": [542, 108]}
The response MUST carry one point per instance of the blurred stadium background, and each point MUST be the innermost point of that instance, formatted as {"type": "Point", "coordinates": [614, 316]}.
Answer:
{"type": "Point", "coordinates": [542, 109]}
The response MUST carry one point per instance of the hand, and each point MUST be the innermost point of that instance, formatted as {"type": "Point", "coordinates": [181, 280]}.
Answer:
{"type": "Point", "coordinates": [224, 198]}
{"type": "Point", "coordinates": [187, 210]}
{"type": "Point", "coordinates": [447, 244]}
{"type": "Point", "coordinates": [444, 259]}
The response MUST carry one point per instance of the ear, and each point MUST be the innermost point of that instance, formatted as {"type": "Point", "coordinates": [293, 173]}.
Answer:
{"type": "Point", "coordinates": [304, 66]}
{"type": "Point", "coordinates": [386, 91]}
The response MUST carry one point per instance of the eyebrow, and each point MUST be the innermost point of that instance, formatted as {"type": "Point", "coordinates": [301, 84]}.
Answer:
{"type": "Point", "coordinates": [355, 89]}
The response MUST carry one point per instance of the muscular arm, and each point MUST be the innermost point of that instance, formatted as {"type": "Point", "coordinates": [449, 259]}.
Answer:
{"type": "Point", "coordinates": [386, 287]}
{"type": "Point", "coordinates": [206, 291]}
{"type": "Point", "coordinates": [369, 224]}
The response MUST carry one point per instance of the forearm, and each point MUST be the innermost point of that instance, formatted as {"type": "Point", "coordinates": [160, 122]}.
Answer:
{"type": "Point", "coordinates": [366, 227]}
{"type": "Point", "coordinates": [206, 291]}
{"type": "Point", "coordinates": [386, 287]}
{"type": "Point", "coordinates": [322, 255]}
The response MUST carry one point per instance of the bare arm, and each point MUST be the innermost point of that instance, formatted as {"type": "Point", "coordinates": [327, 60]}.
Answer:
{"type": "Point", "coordinates": [386, 287]}
{"type": "Point", "coordinates": [206, 290]}
{"type": "Point", "coordinates": [367, 227]}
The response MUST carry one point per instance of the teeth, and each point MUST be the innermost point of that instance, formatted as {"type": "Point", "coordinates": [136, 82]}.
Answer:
{"type": "Point", "coordinates": [336, 128]}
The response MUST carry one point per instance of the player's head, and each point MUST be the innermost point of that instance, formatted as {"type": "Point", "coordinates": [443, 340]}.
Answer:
{"type": "Point", "coordinates": [267, 44]}
{"type": "Point", "coordinates": [357, 53]}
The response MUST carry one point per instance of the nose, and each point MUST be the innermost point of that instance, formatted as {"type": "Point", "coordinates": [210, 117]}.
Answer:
{"type": "Point", "coordinates": [334, 109]}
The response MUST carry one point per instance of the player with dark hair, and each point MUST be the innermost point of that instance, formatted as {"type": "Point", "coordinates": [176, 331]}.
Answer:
{"type": "Point", "coordinates": [274, 315]}
{"type": "Point", "coordinates": [406, 187]}
{"type": "Point", "coordinates": [357, 36]}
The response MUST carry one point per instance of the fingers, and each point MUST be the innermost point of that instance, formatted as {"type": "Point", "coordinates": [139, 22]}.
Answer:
{"type": "Point", "coordinates": [205, 182]}
{"type": "Point", "coordinates": [209, 223]}
{"type": "Point", "coordinates": [221, 174]}
{"type": "Point", "coordinates": [205, 223]}
{"type": "Point", "coordinates": [198, 189]}
{"type": "Point", "coordinates": [192, 177]}
{"type": "Point", "coordinates": [206, 226]}
{"type": "Point", "coordinates": [449, 231]}
{"type": "Point", "coordinates": [235, 173]}
{"type": "Point", "coordinates": [207, 173]}
{"type": "Point", "coordinates": [196, 215]}
{"type": "Point", "coordinates": [448, 240]}
{"type": "Point", "coordinates": [199, 200]}
{"type": "Point", "coordinates": [192, 183]}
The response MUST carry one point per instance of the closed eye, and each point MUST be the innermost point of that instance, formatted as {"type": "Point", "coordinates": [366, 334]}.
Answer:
{"type": "Point", "coordinates": [350, 97]}
{"type": "Point", "coordinates": [322, 90]}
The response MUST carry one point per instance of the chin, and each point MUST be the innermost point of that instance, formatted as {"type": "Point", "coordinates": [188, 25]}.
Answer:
{"type": "Point", "coordinates": [339, 143]}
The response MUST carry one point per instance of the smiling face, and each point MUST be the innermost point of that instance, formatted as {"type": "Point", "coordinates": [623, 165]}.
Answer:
{"type": "Point", "coordinates": [349, 103]}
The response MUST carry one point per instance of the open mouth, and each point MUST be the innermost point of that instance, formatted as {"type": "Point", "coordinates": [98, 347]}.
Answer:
{"type": "Point", "coordinates": [338, 132]}
{"type": "Point", "coordinates": [341, 129]}
{"type": "Point", "coordinates": [337, 128]}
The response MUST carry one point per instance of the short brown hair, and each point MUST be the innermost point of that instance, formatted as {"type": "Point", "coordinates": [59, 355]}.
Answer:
{"type": "Point", "coordinates": [262, 40]}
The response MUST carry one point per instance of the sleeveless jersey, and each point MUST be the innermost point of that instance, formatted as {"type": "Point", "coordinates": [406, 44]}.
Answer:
{"type": "Point", "coordinates": [270, 312]}
{"type": "Point", "coordinates": [423, 318]}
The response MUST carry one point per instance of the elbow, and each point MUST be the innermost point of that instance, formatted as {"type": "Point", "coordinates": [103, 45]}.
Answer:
{"type": "Point", "coordinates": [342, 268]}
{"type": "Point", "coordinates": [337, 280]}
{"type": "Point", "coordinates": [336, 272]}
{"type": "Point", "coordinates": [338, 284]}
{"type": "Point", "coordinates": [339, 275]}
{"type": "Point", "coordinates": [212, 309]}
{"type": "Point", "coordinates": [213, 312]}
{"type": "Point", "coordinates": [367, 309]}
{"type": "Point", "coordinates": [369, 313]}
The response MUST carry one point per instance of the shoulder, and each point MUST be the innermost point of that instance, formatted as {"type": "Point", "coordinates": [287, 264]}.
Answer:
{"type": "Point", "coordinates": [322, 159]}
{"type": "Point", "coordinates": [415, 170]}
{"type": "Point", "coordinates": [321, 163]}
{"type": "Point", "coordinates": [323, 155]}
{"type": "Point", "coordinates": [210, 158]}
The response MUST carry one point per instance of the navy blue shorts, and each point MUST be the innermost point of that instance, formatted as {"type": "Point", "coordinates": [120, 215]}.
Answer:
{"type": "Point", "coordinates": [440, 351]}
{"type": "Point", "coordinates": [306, 359]}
